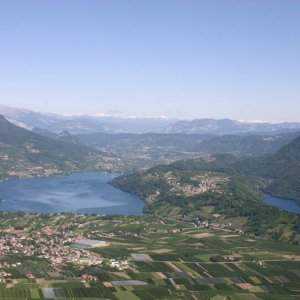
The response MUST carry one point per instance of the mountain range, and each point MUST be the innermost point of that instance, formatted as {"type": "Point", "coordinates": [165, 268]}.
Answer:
{"type": "Point", "coordinates": [152, 148]}
{"type": "Point", "coordinates": [227, 126]}
{"type": "Point", "coordinates": [81, 124]}
{"type": "Point", "coordinates": [170, 147]}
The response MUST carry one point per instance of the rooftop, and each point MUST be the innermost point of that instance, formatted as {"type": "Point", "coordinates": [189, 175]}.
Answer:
{"type": "Point", "coordinates": [90, 243]}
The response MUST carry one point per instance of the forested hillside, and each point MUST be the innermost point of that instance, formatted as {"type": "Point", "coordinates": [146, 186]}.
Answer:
{"type": "Point", "coordinates": [24, 154]}
{"type": "Point", "coordinates": [225, 186]}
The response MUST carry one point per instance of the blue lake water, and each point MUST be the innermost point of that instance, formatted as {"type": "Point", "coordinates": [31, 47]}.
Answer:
{"type": "Point", "coordinates": [79, 193]}
{"type": "Point", "coordinates": [286, 204]}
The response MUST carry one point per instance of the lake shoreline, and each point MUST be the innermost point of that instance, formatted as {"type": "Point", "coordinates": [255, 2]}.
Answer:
{"type": "Point", "coordinates": [82, 192]}
{"type": "Point", "coordinates": [286, 204]}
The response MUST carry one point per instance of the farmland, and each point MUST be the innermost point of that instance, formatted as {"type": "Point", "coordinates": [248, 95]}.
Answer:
{"type": "Point", "coordinates": [165, 260]}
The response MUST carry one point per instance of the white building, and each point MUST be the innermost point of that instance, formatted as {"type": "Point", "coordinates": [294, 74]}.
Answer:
{"type": "Point", "coordinates": [82, 244]}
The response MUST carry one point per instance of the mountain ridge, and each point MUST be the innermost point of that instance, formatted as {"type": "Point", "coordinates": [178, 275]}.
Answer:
{"type": "Point", "coordinates": [81, 124]}
{"type": "Point", "coordinates": [228, 126]}
{"type": "Point", "coordinates": [27, 154]}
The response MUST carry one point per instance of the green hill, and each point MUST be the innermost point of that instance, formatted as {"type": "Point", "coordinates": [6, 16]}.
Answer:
{"type": "Point", "coordinates": [229, 190]}
{"type": "Point", "coordinates": [279, 173]}
{"type": "Point", "coordinates": [24, 153]}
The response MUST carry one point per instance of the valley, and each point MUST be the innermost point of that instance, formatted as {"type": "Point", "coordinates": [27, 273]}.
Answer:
{"type": "Point", "coordinates": [149, 150]}
{"type": "Point", "coordinates": [199, 196]}
{"type": "Point", "coordinates": [187, 261]}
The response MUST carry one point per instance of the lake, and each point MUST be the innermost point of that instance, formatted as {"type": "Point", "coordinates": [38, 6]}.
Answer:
{"type": "Point", "coordinates": [78, 193]}
{"type": "Point", "coordinates": [286, 204]}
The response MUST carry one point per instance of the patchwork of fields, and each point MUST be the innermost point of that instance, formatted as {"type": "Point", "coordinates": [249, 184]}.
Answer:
{"type": "Point", "coordinates": [166, 261]}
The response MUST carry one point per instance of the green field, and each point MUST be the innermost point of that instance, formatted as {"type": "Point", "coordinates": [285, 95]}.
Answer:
{"type": "Point", "coordinates": [176, 265]}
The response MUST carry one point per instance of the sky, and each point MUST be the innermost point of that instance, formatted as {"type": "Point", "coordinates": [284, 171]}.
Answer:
{"type": "Point", "coordinates": [187, 59]}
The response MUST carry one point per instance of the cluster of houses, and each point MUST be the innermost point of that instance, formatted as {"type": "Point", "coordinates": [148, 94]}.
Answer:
{"type": "Point", "coordinates": [56, 245]}
{"type": "Point", "coordinates": [119, 264]}
{"type": "Point", "coordinates": [219, 226]}
{"type": "Point", "coordinates": [203, 184]}
{"type": "Point", "coordinates": [37, 171]}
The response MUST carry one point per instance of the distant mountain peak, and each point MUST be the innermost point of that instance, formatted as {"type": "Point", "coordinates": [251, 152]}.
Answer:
{"type": "Point", "coordinates": [108, 123]}
{"type": "Point", "coordinates": [79, 124]}
{"type": "Point", "coordinates": [65, 133]}
{"type": "Point", "coordinates": [4, 123]}
{"type": "Point", "coordinates": [228, 126]}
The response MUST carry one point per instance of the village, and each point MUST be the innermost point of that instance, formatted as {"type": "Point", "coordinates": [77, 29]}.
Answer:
{"type": "Point", "coordinates": [200, 184]}
{"type": "Point", "coordinates": [101, 256]}
{"type": "Point", "coordinates": [62, 244]}
{"type": "Point", "coordinates": [51, 244]}
{"type": "Point", "coordinates": [56, 244]}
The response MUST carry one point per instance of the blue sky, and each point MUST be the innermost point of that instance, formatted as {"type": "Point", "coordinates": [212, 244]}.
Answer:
{"type": "Point", "coordinates": [181, 58]}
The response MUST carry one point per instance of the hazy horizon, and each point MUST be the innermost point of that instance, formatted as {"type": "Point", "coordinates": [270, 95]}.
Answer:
{"type": "Point", "coordinates": [183, 59]}
{"type": "Point", "coordinates": [112, 115]}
